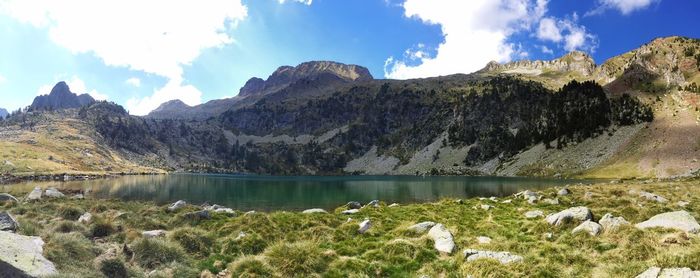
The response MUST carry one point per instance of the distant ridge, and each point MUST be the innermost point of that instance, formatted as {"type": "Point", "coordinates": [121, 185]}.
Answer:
{"type": "Point", "coordinates": [61, 97]}
{"type": "Point", "coordinates": [3, 113]}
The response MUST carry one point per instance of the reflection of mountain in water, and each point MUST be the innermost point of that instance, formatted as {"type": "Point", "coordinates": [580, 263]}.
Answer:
{"type": "Point", "coordinates": [270, 193]}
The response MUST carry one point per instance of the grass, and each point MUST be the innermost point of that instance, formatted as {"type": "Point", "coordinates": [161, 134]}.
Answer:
{"type": "Point", "coordinates": [292, 244]}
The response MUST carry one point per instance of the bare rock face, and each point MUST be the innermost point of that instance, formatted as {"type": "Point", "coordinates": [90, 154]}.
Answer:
{"type": "Point", "coordinates": [23, 255]}
{"type": "Point", "coordinates": [575, 61]}
{"type": "Point", "coordinates": [61, 97]}
{"type": "Point", "coordinates": [679, 220]}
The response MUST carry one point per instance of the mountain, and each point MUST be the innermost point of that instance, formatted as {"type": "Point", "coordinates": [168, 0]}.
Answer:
{"type": "Point", "coordinates": [309, 78]}
{"type": "Point", "coordinates": [3, 113]}
{"type": "Point", "coordinates": [60, 98]}
{"type": "Point", "coordinates": [635, 115]}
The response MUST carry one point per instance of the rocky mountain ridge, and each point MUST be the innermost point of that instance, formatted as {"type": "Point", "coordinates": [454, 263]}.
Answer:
{"type": "Point", "coordinates": [3, 113]}
{"type": "Point", "coordinates": [61, 97]}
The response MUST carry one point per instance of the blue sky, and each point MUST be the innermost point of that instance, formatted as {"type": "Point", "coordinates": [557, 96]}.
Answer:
{"type": "Point", "coordinates": [142, 53]}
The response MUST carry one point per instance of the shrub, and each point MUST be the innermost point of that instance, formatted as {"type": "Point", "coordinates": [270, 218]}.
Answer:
{"type": "Point", "coordinates": [69, 250]}
{"type": "Point", "coordinates": [194, 241]}
{"type": "Point", "coordinates": [151, 253]}
{"type": "Point", "coordinates": [250, 244]}
{"type": "Point", "coordinates": [101, 228]}
{"type": "Point", "coordinates": [250, 267]}
{"type": "Point", "coordinates": [113, 268]}
{"type": "Point", "coordinates": [297, 259]}
{"type": "Point", "coordinates": [71, 212]}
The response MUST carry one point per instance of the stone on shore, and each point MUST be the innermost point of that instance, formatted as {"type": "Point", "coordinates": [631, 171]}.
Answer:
{"type": "Point", "coordinates": [564, 191]}
{"type": "Point", "coordinates": [197, 215]}
{"type": "Point", "coordinates": [655, 272]}
{"type": "Point", "coordinates": [4, 197]}
{"type": "Point", "coordinates": [502, 257]}
{"type": "Point", "coordinates": [315, 210]}
{"type": "Point", "coordinates": [679, 220]}
{"type": "Point", "coordinates": [7, 222]}
{"type": "Point", "coordinates": [534, 214]}
{"type": "Point", "coordinates": [350, 211]}
{"type": "Point", "coordinates": [53, 193]}
{"type": "Point", "coordinates": [568, 215]}
{"type": "Point", "coordinates": [611, 223]}
{"type": "Point", "coordinates": [373, 203]}
{"type": "Point", "coordinates": [421, 227]}
{"type": "Point", "coordinates": [442, 237]}
{"type": "Point", "coordinates": [364, 226]}
{"type": "Point", "coordinates": [353, 205]}
{"type": "Point", "coordinates": [588, 226]}
{"type": "Point", "coordinates": [393, 205]}
{"type": "Point", "coordinates": [177, 205]}
{"type": "Point", "coordinates": [85, 218]}
{"type": "Point", "coordinates": [23, 255]}
{"type": "Point", "coordinates": [35, 194]}
{"type": "Point", "coordinates": [154, 233]}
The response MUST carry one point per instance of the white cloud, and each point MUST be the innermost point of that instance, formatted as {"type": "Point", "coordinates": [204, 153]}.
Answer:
{"type": "Point", "coordinates": [76, 85]}
{"type": "Point", "coordinates": [546, 50]}
{"type": "Point", "coordinates": [155, 36]}
{"type": "Point", "coordinates": [475, 32]}
{"type": "Point", "coordinates": [134, 82]}
{"type": "Point", "coordinates": [548, 30]}
{"type": "Point", "coordinates": [2, 79]}
{"type": "Point", "coordinates": [624, 6]}
{"type": "Point", "coordinates": [305, 2]}
{"type": "Point", "coordinates": [174, 89]}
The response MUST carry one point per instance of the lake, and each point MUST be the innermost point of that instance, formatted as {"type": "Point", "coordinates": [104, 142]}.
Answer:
{"type": "Point", "coordinates": [267, 193]}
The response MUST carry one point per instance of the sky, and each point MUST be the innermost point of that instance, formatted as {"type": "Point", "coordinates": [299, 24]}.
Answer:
{"type": "Point", "coordinates": [141, 53]}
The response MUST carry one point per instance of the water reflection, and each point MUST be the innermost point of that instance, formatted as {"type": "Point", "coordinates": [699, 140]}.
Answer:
{"type": "Point", "coordinates": [293, 193]}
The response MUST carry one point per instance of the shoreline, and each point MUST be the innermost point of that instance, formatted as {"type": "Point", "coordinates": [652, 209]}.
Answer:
{"type": "Point", "coordinates": [6, 179]}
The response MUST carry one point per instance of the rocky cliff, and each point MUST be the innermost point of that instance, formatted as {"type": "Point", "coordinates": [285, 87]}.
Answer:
{"type": "Point", "coordinates": [61, 97]}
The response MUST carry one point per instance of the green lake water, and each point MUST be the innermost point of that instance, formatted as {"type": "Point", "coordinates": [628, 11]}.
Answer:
{"type": "Point", "coordinates": [267, 193]}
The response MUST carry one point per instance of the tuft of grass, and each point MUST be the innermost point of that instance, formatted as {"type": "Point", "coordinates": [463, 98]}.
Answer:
{"type": "Point", "coordinates": [299, 259]}
{"type": "Point", "coordinates": [250, 267]}
{"type": "Point", "coordinates": [68, 227]}
{"type": "Point", "coordinates": [114, 268]}
{"type": "Point", "coordinates": [101, 228]}
{"type": "Point", "coordinates": [194, 241]}
{"type": "Point", "coordinates": [151, 253]}
{"type": "Point", "coordinates": [69, 250]}
{"type": "Point", "coordinates": [69, 212]}
{"type": "Point", "coordinates": [250, 244]}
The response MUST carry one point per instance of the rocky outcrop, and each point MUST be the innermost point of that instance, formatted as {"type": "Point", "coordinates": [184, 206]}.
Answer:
{"type": "Point", "coordinates": [679, 220]}
{"type": "Point", "coordinates": [153, 233]}
{"type": "Point", "coordinates": [364, 226]}
{"type": "Point", "coordinates": [502, 257]}
{"type": "Point", "coordinates": [35, 194]}
{"type": "Point", "coordinates": [3, 113]}
{"type": "Point", "coordinates": [353, 205]}
{"type": "Point", "coordinates": [444, 243]}
{"type": "Point", "coordinates": [611, 223]}
{"type": "Point", "coordinates": [534, 214]}
{"type": "Point", "coordinates": [569, 215]}
{"type": "Point", "coordinates": [589, 227]}
{"type": "Point", "coordinates": [7, 222]}
{"type": "Point", "coordinates": [53, 193]}
{"type": "Point", "coordinates": [316, 210]}
{"type": "Point", "coordinates": [422, 227]}
{"type": "Point", "coordinates": [576, 61]}
{"type": "Point", "coordinates": [169, 110]}
{"type": "Point", "coordinates": [655, 272]}
{"type": "Point", "coordinates": [649, 196]}
{"type": "Point", "coordinates": [86, 218]}
{"type": "Point", "coordinates": [4, 197]}
{"type": "Point", "coordinates": [177, 205]}
{"type": "Point", "coordinates": [23, 254]}
{"type": "Point", "coordinates": [61, 98]}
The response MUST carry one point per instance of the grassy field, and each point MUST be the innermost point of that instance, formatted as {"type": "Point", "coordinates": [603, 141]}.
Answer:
{"type": "Point", "coordinates": [292, 244]}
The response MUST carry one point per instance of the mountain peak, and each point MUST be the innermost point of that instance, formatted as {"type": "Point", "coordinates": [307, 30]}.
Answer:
{"type": "Point", "coordinates": [574, 61]}
{"type": "Point", "coordinates": [168, 109]}
{"type": "Point", "coordinates": [61, 97]}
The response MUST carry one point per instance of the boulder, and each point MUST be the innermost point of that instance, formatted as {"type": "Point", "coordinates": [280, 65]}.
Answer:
{"type": "Point", "coordinates": [421, 227]}
{"type": "Point", "coordinates": [534, 214]}
{"type": "Point", "coordinates": [249, 213]}
{"type": "Point", "coordinates": [444, 242]}
{"type": "Point", "coordinates": [649, 196]}
{"type": "Point", "coordinates": [570, 214]}
{"type": "Point", "coordinates": [486, 207]}
{"type": "Point", "coordinates": [364, 226]}
{"type": "Point", "coordinates": [4, 197]}
{"type": "Point", "coordinates": [588, 226]}
{"type": "Point", "coordinates": [588, 195]}
{"type": "Point", "coordinates": [350, 211]}
{"type": "Point", "coordinates": [532, 200]}
{"type": "Point", "coordinates": [682, 204]}
{"type": "Point", "coordinates": [506, 201]}
{"type": "Point", "coordinates": [53, 193]}
{"type": "Point", "coordinates": [23, 255]}
{"type": "Point", "coordinates": [7, 222]}
{"type": "Point", "coordinates": [35, 194]}
{"type": "Point", "coordinates": [393, 205]}
{"type": "Point", "coordinates": [502, 257]}
{"type": "Point", "coordinates": [527, 194]}
{"type": "Point", "coordinates": [373, 203]}
{"type": "Point", "coordinates": [564, 191]}
{"type": "Point", "coordinates": [153, 233]}
{"type": "Point", "coordinates": [554, 201]}
{"type": "Point", "coordinates": [197, 215]}
{"type": "Point", "coordinates": [177, 205]}
{"type": "Point", "coordinates": [225, 210]}
{"type": "Point", "coordinates": [85, 218]}
{"type": "Point", "coordinates": [483, 240]}
{"type": "Point", "coordinates": [315, 210]}
{"type": "Point", "coordinates": [78, 197]}
{"type": "Point", "coordinates": [353, 205]}
{"type": "Point", "coordinates": [655, 272]}
{"type": "Point", "coordinates": [611, 223]}
{"type": "Point", "coordinates": [680, 220]}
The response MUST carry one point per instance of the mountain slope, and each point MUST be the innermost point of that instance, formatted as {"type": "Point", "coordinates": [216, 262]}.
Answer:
{"type": "Point", "coordinates": [60, 97]}
{"type": "Point", "coordinates": [3, 113]}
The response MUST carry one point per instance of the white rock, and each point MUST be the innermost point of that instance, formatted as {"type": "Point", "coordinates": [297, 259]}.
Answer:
{"type": "Point", "coordinates": [177, 205]}
{"type": "Point", "coordinates": [78, 196]}
{"type": "Point", "coordinates": [85, 218]}
{"type": "Point", "coordinates": [527, 194]}
{"type": "Point", "coordinates": [682, 204]}
{"type": "Point", "coordinates": [350, 211]}
{"type": "Point", "coordinates": [563, 192]}
{"type": "Point", "coordinates": [532, 200]}
{"type": "Point", "coordinates": [483, 240]}
{"type": "Point", "coordinates": [534, 214]}
{"type": "Point", "coordinates": [486, 207]}
{"type": "Point", "coordinates": [680, 220]}
{"type": "Point", "coordinates": [588, 226]}
{"type": "Point", "coordinates": [655, 272]}
{"type": "Point", "coordinates": [652, 272]}
{"type": "Point", "coordinates": [649, 196]}
{"type": "Point", "coordinates": [570, 214]}
{"type": "Point", "coordinates": [393, 205]}
{"type": "Point", "coordinates": [225, 210]}
{"type": "Point", "coordinates": [315, 210]}
{"type": "Point", "coordinates": [250, 212]}
{"type": "Point", "coordinates": [35, 194]}
{"type": "Point", "coordinates": [554, 201]}
{"type": "Point", "coordinates": [493, 199]}
{"type": "Point", "coordinates": [7, 222]}
{"type": "Point", "coordinates": [588, 195]}
{"type": "Point", "coordinates": [24, 254]}
{"type": "Point", "coordinates": [611, 223]}
{"type": "Point", "coordinates": [502, 257]}
{"type": "Point", "coordinates": [53, 193]}
{"type": "Point", "coordinates": [154, 233]}
{"type": "Point", "coordinates": [421, 227]}
{"type": "Point", "coordinates": [364, 226]}
{"type": "Point", "coordinates": [507, 201]}
{"type": "Point", "coordinates": [240, 235]}
{"type": "Point", "coordinates": [373, 203]}
{"type": "Point", "coordinates": [442, 237]}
